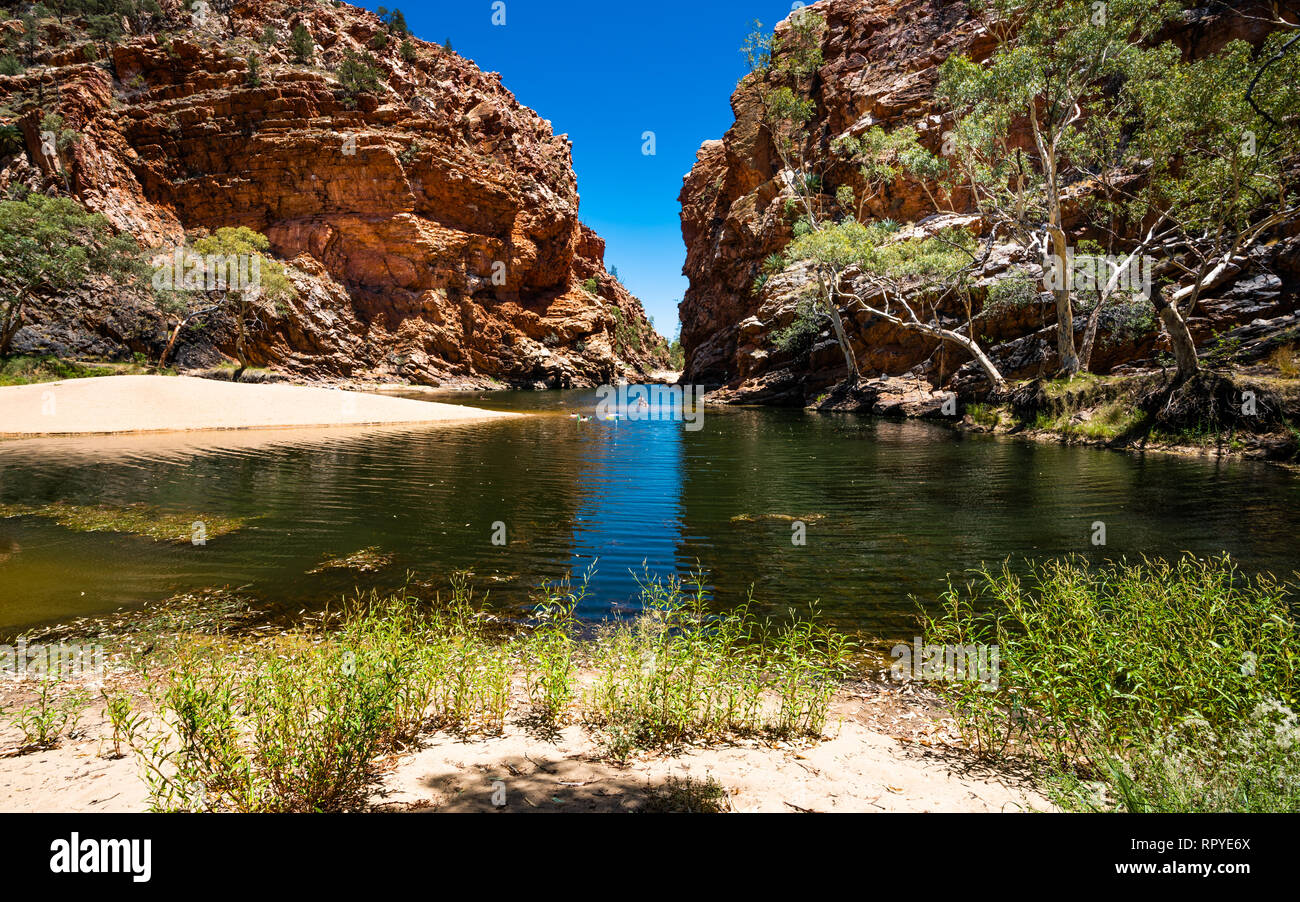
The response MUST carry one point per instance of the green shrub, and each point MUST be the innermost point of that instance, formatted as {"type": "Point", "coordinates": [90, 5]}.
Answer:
{"type": "Point", "coordinates": [1011, 291]}
{"type": "Point", "coordinates": [48, 718]}
{"type": "Point", "coordinates": [549, 651]}
{"type": "Point", "coordinates": [679, 672]}
{"type": "Point", "coordinates": [798, 337]}
{"type": "Point", "coordinates": [357, 76]}
{"type": "Point", "coordinates": [301, 43]}
{"type": "Point", "coordinates": [1094, 660]}
{"type": "Point", "coordinates": [1252, 766]}
{"type": "Point", "coordinates": [253, 78]}
{"type": "Point", "coordinates": [298, 723]}
{"type": "Point", "coordinates": [51, 244]}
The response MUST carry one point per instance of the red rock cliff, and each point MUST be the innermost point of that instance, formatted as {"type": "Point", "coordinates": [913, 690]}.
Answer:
{"type": "Point", "coordinates": [433, 229]}
{"type": "Point", "coordinates": [880, 66]}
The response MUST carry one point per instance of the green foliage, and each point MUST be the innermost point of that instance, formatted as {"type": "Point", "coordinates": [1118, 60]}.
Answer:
{"type": "Point", "coordinates": [10, 65]}
{"type": "Point", "coordinates": [275, 285]}
{"type": "Point", "coordinates": [269, 37]}
{"type": "Point", "coordinates": [798, 53]}
{"type": "Point", "coordinates": [1215, 160]}
{"type": "Point", "coordinates": [798, 337]}
{"type": "Point", "coordinates": [1093, 660]}
{"type": "Point", "coordinates": [379, 41]}
{"type": "Point", "coordinates": [680, 672]}
{"type": "Point", "coordinates": [591, 286]}
{"type": "Point", "coordinates": [676, 355]}
{"type": "Point", "coordinates": [357, 75]}
{"type": "Point", "coordinates": [1246, 767]}
{"type": "Point", "coordinates": [549, 651]}
{"type": "Point", "coordinates": [407, 51]}
{"type": "Point", "coordinates": [1016, 289]}
{"type": "Point", "coordinates": [394, 19]}
{"type": "Point", "coordinates": [627, 333]}
{"type": "Point", "coordinates": [11, 140]}
{"type": "Point", "coordinates": [302, 44]}
{"type": "Point", "coordinates": [883, 156]}
{"type": "Point", "coordinates": [253, 78]}
{"type": "Point", "coordinates": [27, 370]}
{"type": "Point", "coordinates": [757, 50]}
{"type": "Point", "coordinates": [48, 718]}
{"type": "Point", "coordinates": [122, 718]}
{"type": "Point", "coordinates": [300, 721]}
{"type": "Point", "coordinates": [54, 244]}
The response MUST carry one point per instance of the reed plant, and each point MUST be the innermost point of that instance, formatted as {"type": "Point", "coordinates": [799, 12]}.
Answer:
{"type": "Point", "coordinates": [679, 672]}
{"type": "Point", "coordinates": [49, 716]}
{"type": "Point", "coordinates": [1132, 677]}
{"type": "Point", "coordinates": [299, 723]}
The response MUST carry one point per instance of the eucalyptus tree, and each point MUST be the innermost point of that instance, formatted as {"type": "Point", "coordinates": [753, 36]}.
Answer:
{"type": "Point", "coordinates": [1218, 135]}
{"type": "Point", "coordinates": [50, 245]}
{"type": "Point", "coordinates": [904, 280]}
{"type": "Point", "coordinates": [1037, 119]}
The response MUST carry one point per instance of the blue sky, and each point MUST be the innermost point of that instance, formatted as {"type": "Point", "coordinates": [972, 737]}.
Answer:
{"type": "Point", "coordinates": [605, 72]}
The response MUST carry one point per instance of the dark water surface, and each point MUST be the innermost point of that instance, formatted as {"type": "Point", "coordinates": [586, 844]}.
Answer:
{"type": "Point", "coordinates": [890, 508]}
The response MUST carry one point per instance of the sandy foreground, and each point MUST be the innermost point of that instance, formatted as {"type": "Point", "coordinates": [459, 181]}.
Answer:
{"type": "Point", "coordinates": [123, 404]}
{"type": "Point", "coordinates": [882, 753]}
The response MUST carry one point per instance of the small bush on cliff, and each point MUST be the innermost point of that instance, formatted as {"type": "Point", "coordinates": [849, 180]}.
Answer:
{"type": "Point", "coordinates": [11, 140]}
{"type": "Point", "coordinates": [301, 43]}
{"type": "Point", "coordinates": [357, 76]}
{"type": "Point", "coordinates": [253, 78]}
{"type": "Point", "coordinates": [10, 65]}
{"type": "Point", "coordinates": [407, 51]}
{"type": "Point", "coordinates": [798, 337]}
{"type": "Point", "coordinates": [676, 355]}
{"type": "Point", "coordinates": [394, 19]}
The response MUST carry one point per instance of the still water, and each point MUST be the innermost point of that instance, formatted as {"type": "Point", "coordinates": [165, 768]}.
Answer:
{"type": "Point", "coordinates": [889, 508]}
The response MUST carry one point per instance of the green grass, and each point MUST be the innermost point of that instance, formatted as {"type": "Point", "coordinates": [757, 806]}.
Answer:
{"type": "Point", "coordinates": [1129, 674]}
{"type": "Point", "coordinates": [26, 370]}
{"type": "Point", "coordinates": [31, 369]}
{"type": "Point", "coordinates": [1250, 767]}
{"type": "Point", "coordinates": [984, 414]}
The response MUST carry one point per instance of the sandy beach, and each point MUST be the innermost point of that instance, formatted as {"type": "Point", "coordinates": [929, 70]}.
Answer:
{"type": "Point", "coordinates": [126, 404]}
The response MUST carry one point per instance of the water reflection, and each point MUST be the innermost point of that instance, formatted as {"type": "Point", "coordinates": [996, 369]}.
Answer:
{"type": "Point", "coordinates": [889, 508]}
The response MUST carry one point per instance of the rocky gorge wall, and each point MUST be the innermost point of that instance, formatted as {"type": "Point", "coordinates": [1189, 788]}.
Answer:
{"type": "Point", "coordinates": [880, 65]}
{"type": "Point", "coordinates": [431, 226]}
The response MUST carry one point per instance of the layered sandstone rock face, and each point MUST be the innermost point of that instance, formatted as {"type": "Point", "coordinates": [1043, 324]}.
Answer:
{"type": "Point", "coordinates": [432, 228]}
{"type": "Point", "coordinates": [881, 63]}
